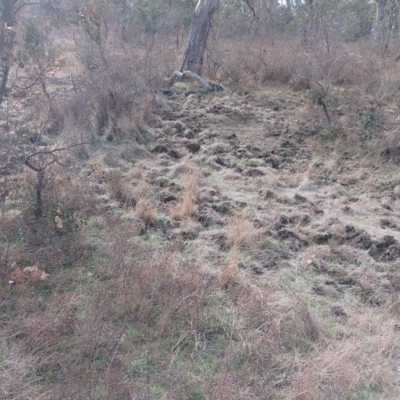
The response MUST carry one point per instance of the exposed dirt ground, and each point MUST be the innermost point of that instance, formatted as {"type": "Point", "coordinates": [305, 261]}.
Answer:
{"type": "Point", "coordinates": [265, 155]}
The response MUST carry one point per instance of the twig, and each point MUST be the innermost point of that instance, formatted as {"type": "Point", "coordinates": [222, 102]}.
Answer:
{"type": "Point", "coordinates": [73, 83]}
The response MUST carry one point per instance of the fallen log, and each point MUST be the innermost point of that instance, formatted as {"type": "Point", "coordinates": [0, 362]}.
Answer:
{"type": "Point", "coordinates": [208, 86]}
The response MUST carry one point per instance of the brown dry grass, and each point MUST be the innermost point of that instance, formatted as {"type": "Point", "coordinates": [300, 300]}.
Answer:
{"type": "Point", "coordinates": [229, 270]}
{"type": "Point", "coordinates": [129, 311]}
{"type": "Point", "coordinates": [283, 60]}
{"type": "Point", "coordinates": [241, 232]}
{"type": "Point", "coordinates": [145, 210]}
{"type": "Point", "coordinates": [186, 206]}
{"type": "Point", "coordinates": [120, 188]}
{"type": "Point", "coordinates": [343, 366]}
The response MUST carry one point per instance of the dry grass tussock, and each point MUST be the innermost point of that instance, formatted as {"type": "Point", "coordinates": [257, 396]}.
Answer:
{"type": "Point", "coordinates": [186, 206]}
{"type": "Point", "coordinates": [229, 270]}
{"type": "Point", "coordinates": [241, 232]}
{"type": "Point", "coordinates": [121, 188]}
{"type": "Point", "coordinates": [136, 195]}
{"type": "Point", "coordinates": [345, 366]}
{"type": "Point", "coordinates": [99, 111]}
{"type": "Point", "coordinates": [145, 210]}
{"type": "Point", "coordinates": [145, 207]}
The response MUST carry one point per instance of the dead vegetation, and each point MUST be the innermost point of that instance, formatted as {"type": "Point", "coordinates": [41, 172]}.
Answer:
{"type": "Point", "coordinates": [224, 246]}
{"type": "Point", "coordinates": [241, 232]}
{"type": "Point", "coordinates": [185, 208]}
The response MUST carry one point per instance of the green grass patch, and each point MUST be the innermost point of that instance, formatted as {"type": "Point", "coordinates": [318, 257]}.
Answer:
{"type": "Point", "coordinates": [44, 288]}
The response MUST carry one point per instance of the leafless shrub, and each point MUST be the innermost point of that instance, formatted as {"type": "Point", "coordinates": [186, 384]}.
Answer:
{"type": "Point", "coordinates": [66, 114]}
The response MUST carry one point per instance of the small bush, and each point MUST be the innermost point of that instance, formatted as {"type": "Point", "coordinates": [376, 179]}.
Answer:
{"type": "Point", "coordinates": [371, 122]}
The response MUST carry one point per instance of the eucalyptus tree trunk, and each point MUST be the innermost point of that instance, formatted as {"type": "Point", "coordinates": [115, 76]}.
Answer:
{"type": "Point", "coordinates": [199, 30]}
{"type": "Point", "coordinates": [6, 37]}
{"type": "Point", "coordinates": [7, 22]}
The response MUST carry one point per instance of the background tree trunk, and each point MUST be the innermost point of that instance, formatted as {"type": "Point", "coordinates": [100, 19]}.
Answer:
{"type": "Point", "coordinates": [380, 10]}
{"type": "Point", "coordinates": [381, 21]}
{"type": "Point", "coordinates": [199, 30]}
{"type": "Point", "coordinates": [6, 37]}
{"type": "Point", "coordinates": [7, 18]}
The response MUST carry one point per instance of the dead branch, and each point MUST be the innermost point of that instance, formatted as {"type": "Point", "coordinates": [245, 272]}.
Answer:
{"type": "Point", "coordinates": [208, 85]}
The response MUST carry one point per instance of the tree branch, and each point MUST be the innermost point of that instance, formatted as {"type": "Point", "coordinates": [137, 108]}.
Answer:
{"type": "Point", "coordinates": [26, 4]}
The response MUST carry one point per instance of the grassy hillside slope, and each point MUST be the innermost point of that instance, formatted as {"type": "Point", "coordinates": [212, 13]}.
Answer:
{"type": "Point", "coordinates": [222, 246]}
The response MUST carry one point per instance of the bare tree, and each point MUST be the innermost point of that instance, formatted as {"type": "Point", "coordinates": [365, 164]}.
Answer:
{"type": "Point", "coordinates": [199, 30]}
{"type": "Point", "coordinates": [38, 161]}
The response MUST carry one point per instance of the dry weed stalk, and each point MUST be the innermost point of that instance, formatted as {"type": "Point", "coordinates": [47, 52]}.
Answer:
{"type": "Point", "coordinates": [241, 232]}
{"type": "Point", "coordinates": [186, 207]}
